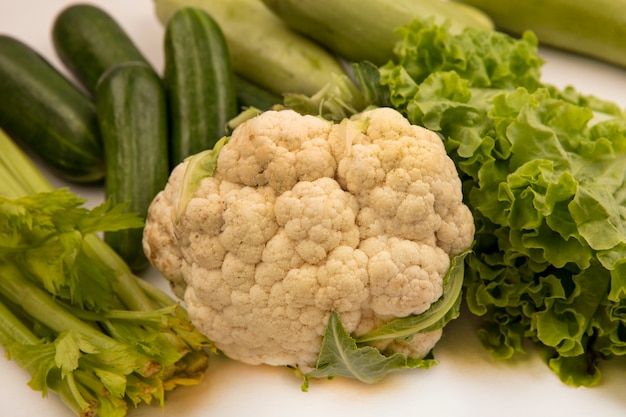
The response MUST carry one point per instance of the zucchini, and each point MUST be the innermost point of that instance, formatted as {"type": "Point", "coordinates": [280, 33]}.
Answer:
{"type": "Point", "coordinates": [132, 113]}
{"type": "Point", "coordinates": [365, 30]}
{"type": "Point", "coordinates": [43, 110]}
{"type": "Point", "coordinates": [262, 48]}
{"type": "Point", "coordinates": [593, 28]}
{"type": "Point", "coordinates": [199, 84]}
{"type": "Point", "coordinates": [88, 41]}
{"type": "Point", "coordinates": [251, 95]}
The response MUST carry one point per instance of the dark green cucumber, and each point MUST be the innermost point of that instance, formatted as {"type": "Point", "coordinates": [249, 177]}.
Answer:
{"type": "Point", "coordinates": [89, 41]}
{"type": "Point", "coordinates": [199, 83]}
{"type": "Point", "coordinates": [252, 95]}
{"type": "Point", "coordinates": [132, 114]}
{"type": "Point", "coordinates": [43, 110]}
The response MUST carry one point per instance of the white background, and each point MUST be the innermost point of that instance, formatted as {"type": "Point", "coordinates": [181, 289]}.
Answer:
{"type": "Point", "coordinates": [466, 383]}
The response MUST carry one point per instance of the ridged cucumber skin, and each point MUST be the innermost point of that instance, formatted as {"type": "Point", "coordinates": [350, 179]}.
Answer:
{"type": "Point", "coordinates": [46, 112]}
{"type": "Point", "coordinates": [88, 41]}
{"type": "Point", "coordinates": [592, 28]}
{"type": "Point", "coordinates": [365, 30]}
{"type": "Point", "coordinates": [199, 83]}
{"type": "Point", "coordinates": [132, 113]}
{"type": "Point", "coordinates": [262, 48]}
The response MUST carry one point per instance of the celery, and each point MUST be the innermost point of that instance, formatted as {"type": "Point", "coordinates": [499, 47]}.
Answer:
{"type": "Point", "coordinates": [72, 313]}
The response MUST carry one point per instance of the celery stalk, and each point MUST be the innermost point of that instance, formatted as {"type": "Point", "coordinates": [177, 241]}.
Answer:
{"type": "Point", "coordinates": [42, 306]}
{"type": "Point", "coordinates": [71, 311]}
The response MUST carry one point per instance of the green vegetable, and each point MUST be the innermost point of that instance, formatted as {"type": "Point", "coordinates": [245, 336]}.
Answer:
{"type": "Point", "coordinates": [342, 355]}
{"type": "Point", "coordinates": [45, 111]}
{"type": "Point", "coordinates": [71, 312]}
{"type": "Point", "coordinates": [251, 95]}
{"type": "Point", "coordinates": [545, 180]}
{"type": "Point", "coordinates": [263, 50]}
{"type": "Point", "coordinates": [344, 96]}
{"type": "Point", "coordinates": [544, 174]}
{"type": "Point", "coordinates": [132, 114]}
{"type": "Point", "coordinates": [361, 30]}
{"type": "Point", "coordinates": [594, 28]}
{"type": "Point", "coordinates": [199, 83]}
{"type": "Point", "coordinates": [89, 41]}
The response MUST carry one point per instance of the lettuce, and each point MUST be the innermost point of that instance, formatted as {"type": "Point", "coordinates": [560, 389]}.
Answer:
{"type": "Point", "coordinates": [544, 174]}
{"type": "Point", "coordinates": [543, 171]}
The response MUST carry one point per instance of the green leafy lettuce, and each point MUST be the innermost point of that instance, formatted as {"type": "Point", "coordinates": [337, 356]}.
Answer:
{"type": "Point", "coordinates": [543, 172]}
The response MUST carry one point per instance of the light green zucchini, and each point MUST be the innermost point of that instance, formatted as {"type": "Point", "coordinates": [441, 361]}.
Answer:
{"type": "Point", "coordinates": [263, 49]}
{"type": "Point", "coordinates": [364, 30]}
{"type": "Point", "coordinates": [596, 28]}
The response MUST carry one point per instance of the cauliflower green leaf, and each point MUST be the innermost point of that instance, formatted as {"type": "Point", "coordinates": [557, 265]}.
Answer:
{"type": "Point", "coordinates": [343, 355]}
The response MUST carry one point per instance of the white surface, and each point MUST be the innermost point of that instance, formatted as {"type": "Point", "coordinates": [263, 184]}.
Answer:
{"type": "Point", "coordinates": [467, 382]}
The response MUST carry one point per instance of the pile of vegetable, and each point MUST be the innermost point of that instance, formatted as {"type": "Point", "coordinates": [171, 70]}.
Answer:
{"type": "Point", "coordinates": [542, 168]}
{"type": "Point", "coordinates": [104, 338]}
{"type": "Point", "coordinates": [543, 172]}
{"type": "Point", "coordinates": [212, 169]}
{"type": "Point", "coordinates": [73, 313]}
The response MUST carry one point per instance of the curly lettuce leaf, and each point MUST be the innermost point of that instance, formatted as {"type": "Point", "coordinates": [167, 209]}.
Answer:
{"type": "Point", "coordinates": [543, 171]}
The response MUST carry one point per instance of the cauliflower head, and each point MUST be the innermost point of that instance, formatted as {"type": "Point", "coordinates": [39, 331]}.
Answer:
{"type": "Point", "coordinates": [302, 217]}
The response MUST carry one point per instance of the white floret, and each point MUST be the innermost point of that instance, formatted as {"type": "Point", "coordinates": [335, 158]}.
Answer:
{"type": "Point", "coordinates": [304, 217]}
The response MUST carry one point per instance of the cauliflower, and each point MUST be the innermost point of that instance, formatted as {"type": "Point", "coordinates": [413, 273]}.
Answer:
{"type": "Point", "coordinates": [302, 217]}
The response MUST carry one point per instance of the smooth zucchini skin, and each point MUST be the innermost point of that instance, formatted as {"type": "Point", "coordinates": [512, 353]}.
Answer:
{"type": "Point", "coordinates": [43, 110]}
{"type": "Point", "coordinates": [593, 28]}
{"type": "Point", "coordinates": [199, 83]}
{"type": "Point", "coordinates": [130, 101]}
{"type": "Point", "coordinates": [365, 30]}
{"type": "Point", "coordinates": [89, 41]}
{"type": "Point", "coordinates": [262, 48]}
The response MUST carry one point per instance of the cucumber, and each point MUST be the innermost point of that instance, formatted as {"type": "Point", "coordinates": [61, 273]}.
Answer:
{"type": "Point", "coordinates": [365, 30]}
{"type": "Point", "coordinates": [593, 28]}
{"type": "Point", "coordinates": [88, 41]}
{"type": "Point", "coordinates": [262, 48]}
{"type": "Point", "coordinates": [43, 110]}
{"type": "Point", "coordinates": [251, 95]}
{"type": "Point", "coordinates": [132, 113]}
{"type": "Point", "coordinates": [199, 83]}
